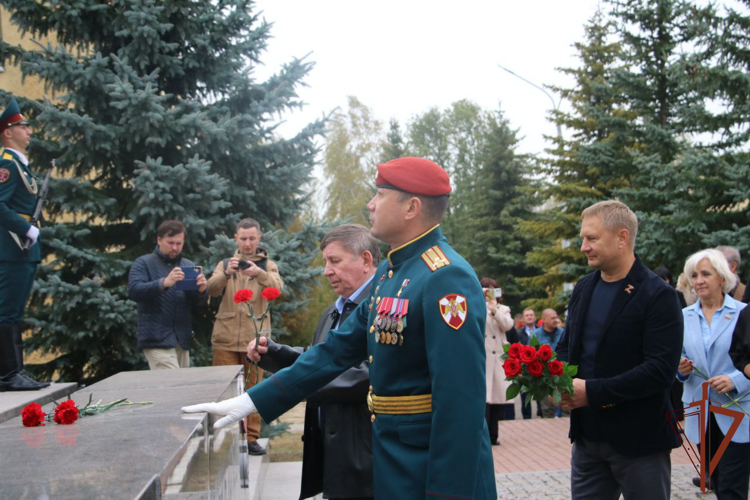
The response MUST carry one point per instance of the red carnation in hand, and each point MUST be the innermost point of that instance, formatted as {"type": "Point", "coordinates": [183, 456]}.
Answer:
{"type": "Point", "coordinates": [32, 415]}
{"type": "Point", "coordinates": [555, 367]}
{"type": "Point", "coordinates": [544, 353]}
{"type": "Point", "coordinates": [66, 413]}
{"type": "Point", "coordinates": [512, 367]}
{"type": "Point", "coordinates": [270, 293]}
{"type": "Point", "coordinates": [243, 295]}
{"type": "Point", "coordinates": [528, 354]}
{"type": "Point", "coordinates": [515, 350]}
{"type": "Point", "coordinates": [536, 368]}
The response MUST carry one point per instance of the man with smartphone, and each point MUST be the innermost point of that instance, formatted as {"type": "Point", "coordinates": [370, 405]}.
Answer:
{"type": "Point", "coordinates": [249, 268]}
{"type": "Point", "coordinates": [166, 286]}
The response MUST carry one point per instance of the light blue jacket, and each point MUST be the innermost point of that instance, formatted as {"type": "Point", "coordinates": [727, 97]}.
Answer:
{"type": "Point", "coordinates": [716, 362]}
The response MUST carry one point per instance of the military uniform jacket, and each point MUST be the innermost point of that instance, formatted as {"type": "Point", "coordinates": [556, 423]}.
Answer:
{"type": "Point", "coordinates": [16, 206]}
{"type": "Point", "coordinates": [444, 452]}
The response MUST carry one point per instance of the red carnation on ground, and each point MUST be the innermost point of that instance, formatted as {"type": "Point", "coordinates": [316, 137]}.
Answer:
{"type": "Point", "coordinates": [270, 293]}
{"type": "Point", "coordinates": [544, 353]}
{"type": "Point", "coordinates": [515, 350]}
{"type": "Point", "coordinates": [512, 367]}
{"type": "Point", "coordinates": [32, 415]}
{"type": "Point", "coordinates": [66, 413]}
{"type": "Point", "coordinates": [536, 368]}
{"type": "Point", "coordinates": [243, 295]}
{"type": "Point", "coordinates": [528, 354]}
{"type": "Point", "coordinates": [555, 367]}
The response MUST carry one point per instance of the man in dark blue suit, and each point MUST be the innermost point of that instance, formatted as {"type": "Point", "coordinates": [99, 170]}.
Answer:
{"type": "Point", "coordinates": [624, 331]}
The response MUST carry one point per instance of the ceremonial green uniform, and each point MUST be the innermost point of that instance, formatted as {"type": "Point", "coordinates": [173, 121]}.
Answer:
{"type": "Point", "coordinates": [18, 190]}
{"type": "Point", "coordinates": [422, 330]}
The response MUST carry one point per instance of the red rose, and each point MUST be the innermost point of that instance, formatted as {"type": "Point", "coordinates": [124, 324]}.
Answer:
{"type": "Point", "coordinates": [515, 350]}
{"type": "Point", "coordinates": [270, 293]}
{"type": "Point", "coordinates": [544, 353]}
{"type": "Point", "coordinates": [555, 367]}
{"type": "Point", "coordinates": [539, 323]}
{"type": "Point", "coordinates": [243, 295]}
{"type": "Point", "coordinates": [536, 368]}
{"type": "Point", "coordinates": [66, 413]}
{"type": "Point", "coordinates": [32, 415]}
{"type": "Point", "coordinates": [528, 354]}
{"type": "Point", "coordinates": [512, 367]}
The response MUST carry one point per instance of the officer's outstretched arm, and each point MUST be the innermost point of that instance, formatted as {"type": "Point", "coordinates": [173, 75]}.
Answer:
{"type": "Point", "coordinates": [232, 410]}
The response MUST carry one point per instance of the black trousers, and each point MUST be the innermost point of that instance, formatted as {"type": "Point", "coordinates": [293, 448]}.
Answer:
{"type": "Point", "coordinates": [600, 473]}
{"type": "Point", "coordinates": [730, 478]}
{"type": "Point", "coordinates": [493, 414]}
{"type": "Point", "coordinates": [526, 409]}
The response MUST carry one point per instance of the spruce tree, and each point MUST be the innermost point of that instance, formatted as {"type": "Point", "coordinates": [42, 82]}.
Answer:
{"type": "Point", "coordinates": [584, 168]}
{"type": "Point", "coordinates": [477, 148]}
{"type": "Point", "coordinates": [393, 146]}
{"type": "Point", "coordinates": [157, 115]}
{"type": "Point", "coordinates": [683, 190]}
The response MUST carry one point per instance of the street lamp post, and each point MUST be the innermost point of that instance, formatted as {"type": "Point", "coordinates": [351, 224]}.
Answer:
{"type": "Point", "coordinates": [554, 105]}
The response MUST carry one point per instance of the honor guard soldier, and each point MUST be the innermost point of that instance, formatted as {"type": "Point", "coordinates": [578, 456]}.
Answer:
{"type": "Point", "coordinates": [18, 195]}
{"type": "Point", "coordinates": [422, 331]}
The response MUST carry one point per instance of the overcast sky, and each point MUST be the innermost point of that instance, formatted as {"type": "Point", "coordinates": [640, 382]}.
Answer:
{"type": "Point", "coordinates": [401, 58]}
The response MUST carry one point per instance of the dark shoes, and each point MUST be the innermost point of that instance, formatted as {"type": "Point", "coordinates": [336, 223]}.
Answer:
{"type": "Point", "coordinates": [12, 375]}
{"type": "Point", "coordinates": [253, 448]}
{"type": "Point", "coordinates": [697, 482]}
{"type": "Point", "coordinates": [20, 382]}
{"type": "Point", "coordinates": [495, 443]}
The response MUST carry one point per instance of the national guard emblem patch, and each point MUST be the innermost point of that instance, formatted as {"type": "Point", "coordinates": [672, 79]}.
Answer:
{"type": "Point", "coordinates": [453, 308]}
{"type": "Point", "coordinates": [4, 174]}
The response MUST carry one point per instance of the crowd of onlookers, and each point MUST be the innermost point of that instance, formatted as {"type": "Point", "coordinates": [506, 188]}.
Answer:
{"type": "Point", "coordinates": [716, 349]}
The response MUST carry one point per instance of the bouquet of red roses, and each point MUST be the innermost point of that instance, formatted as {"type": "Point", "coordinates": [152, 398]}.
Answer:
{"type": "Point", "coordinates": [534, 370]}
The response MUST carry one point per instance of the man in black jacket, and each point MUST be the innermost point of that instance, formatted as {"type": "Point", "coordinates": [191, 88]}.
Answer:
{"type": "Point", "coordinates": [337, 456]}
{"type": "Point", "coordinates": [624, 331]}
{"type": "Point", "coordinates": [165, 327]}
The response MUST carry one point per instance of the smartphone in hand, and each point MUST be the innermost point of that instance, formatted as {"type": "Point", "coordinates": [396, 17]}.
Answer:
{"type": "Point", "coordinates": [190, 283]}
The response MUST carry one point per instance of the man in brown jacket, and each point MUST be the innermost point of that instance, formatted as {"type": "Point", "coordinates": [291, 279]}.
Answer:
{"type": "Point", "coordinates": [249, 269]}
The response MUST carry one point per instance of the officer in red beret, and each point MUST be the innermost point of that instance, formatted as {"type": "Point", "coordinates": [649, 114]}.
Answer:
{"type": "Point", "coordinates": [422, 332]}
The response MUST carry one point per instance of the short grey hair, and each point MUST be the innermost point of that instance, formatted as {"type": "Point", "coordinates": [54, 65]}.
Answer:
{"type": "Point", "coordinates": [615, 215]}
{"type": "Point", "coordinates": [731, 254]}
{"type": "Point", "coordinates": [717, 261]}
{"type": "Point", "coordinates": [356, 238]}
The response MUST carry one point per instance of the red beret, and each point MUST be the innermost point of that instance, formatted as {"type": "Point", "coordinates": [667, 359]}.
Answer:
{"type": "Point", "coordinates": [414, 175]}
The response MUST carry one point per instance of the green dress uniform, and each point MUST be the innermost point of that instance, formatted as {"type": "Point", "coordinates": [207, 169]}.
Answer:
{"type": "Point", "coordinates": [18, 195]}
{"type": "Point", "coordinates": [18, 189]}
{"type": "Point", "coordinates": [422, 331]}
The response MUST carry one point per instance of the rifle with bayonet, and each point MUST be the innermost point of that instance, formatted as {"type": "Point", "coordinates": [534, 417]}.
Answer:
{"type": "Point", "coordinates": [41, 198]}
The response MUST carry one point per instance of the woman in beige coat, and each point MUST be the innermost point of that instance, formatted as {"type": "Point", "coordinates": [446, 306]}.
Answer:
{"type": "Point", "coordinates": [499, 321]}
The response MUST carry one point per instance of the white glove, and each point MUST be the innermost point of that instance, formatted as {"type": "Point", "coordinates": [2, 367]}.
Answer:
{"type": "Point", "coordinates": [33, 234]}
{"type": "Point", "coordinates": [233, 409]}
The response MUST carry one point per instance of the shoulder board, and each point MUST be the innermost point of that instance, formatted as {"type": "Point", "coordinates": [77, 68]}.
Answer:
{"type": "Point", "coordinates": [8, 156]}
{"type": "Point", "coordinates": [435, 258]}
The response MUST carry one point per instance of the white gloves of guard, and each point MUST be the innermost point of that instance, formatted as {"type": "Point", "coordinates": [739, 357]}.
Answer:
{"type": "Point", "coordinates": [232, 410]}
{"type": "Point", "coordinates": [33, 234]}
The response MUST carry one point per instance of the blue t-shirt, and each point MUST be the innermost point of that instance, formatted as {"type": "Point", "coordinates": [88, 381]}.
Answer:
{"type": "Point", "coordinates": [593, 329]}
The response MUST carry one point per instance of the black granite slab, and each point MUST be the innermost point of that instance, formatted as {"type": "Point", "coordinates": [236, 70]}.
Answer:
{"type": "Point", "coordinates": [135, 452]}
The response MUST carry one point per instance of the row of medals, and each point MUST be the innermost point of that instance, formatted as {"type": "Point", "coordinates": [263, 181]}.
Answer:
{"type": "Point", "coordinates": [388, 329]}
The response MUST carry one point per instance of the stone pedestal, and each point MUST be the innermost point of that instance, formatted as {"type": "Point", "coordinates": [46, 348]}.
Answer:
{"type": "Point", "coordinates": [147, 452]}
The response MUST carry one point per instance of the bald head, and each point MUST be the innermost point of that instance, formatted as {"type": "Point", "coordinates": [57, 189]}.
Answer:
{"type": "Point", "coordinates": [550, 320]}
